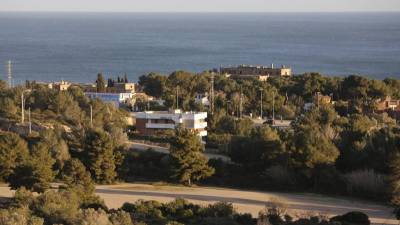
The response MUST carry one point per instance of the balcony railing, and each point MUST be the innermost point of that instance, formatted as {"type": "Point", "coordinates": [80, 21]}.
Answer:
{"type": "Point", "coordinates": [160, 126]}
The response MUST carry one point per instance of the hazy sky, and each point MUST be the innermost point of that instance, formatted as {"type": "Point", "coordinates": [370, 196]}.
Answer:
{"type": "Point", "coordinates": [200, 5]}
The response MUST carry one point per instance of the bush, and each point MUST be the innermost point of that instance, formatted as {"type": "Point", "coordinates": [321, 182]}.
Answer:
{"type": "Point", "coordinates": [353, 218]}
{"type": "Point", "coordinates": [327, 179]}
{"type": "Point", "coordinates": [275, 207]}
{"type": "Point", "coordinates": [366, 183]}
{"type": "Point", "coordinates": [147, 165]}
{"type": "Point", "coordinates": [219, 141]}
{"type": "Point", "coordinates": [279, 177]}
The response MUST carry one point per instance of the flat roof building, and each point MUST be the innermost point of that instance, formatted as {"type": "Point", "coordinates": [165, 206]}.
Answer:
{"type": "Point", "coordinates": [124, 87]}
{"type": "Point", "coordinates": [60, 86]}
{"type": "Point", "coordinates": [114, 98]}
{"type": "Point", "coordinates": [150, 122]}
{"type": "Point", "coordinates": [259, 72]}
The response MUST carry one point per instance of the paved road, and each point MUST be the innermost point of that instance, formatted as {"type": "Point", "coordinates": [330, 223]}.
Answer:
{"type": "Point", "coordinates": [143, 147]}
{"type": "Point", "coordinates": [244, 201]}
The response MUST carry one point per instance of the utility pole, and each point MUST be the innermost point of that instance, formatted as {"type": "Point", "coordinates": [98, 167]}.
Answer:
{"type": "Point", "coordinates": [177, 97]}
{"type": "Point", "coordinates": [9, 74]}
{"type": "Point", "coordinates": [22, 107]}
{"type": "Point", "coordinates": [212, 94]}
{"type": "Point", "coordinates": [273, 107]}
{"type": "Point", "coordinates": [227, 107]}
{"type": "Point", "coordinates": [261, 105]}
{"type": "Point", "coordinates": [241, 103]}
{"type": "Point", "coordinates": [91, 116]}
{"type": "Point", "coordinates": [30, 122]}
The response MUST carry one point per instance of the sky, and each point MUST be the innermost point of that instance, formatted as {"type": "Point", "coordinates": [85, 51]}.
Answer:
{"type": "Point", "coordinates": [200, 5]}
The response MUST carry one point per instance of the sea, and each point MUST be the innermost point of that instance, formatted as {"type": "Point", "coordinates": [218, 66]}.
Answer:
{"type": "Point", "coordinates": [76, 47]}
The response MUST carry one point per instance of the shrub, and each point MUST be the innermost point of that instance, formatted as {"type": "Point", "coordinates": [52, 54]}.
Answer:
{"type": "Point", "coordinates": [366, 183]}
{"type": "Point", "coordinates": [276, 207]}
{"type": "Point", "coordinates": [327, 179]}
{"type": "Point", "coordinates": [355, 218]}
{"type": "Point", "coordinates": [93, 217]}
{"type": "Point", "coordinates": [279, 177]}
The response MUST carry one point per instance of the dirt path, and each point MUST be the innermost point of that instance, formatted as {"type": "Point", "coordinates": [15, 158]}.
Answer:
{"type": "Point", "coordinates": [244, 201]}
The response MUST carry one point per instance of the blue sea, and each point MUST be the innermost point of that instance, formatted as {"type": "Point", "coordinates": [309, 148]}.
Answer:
{"type": "Point", "coordinates": [77, 46]}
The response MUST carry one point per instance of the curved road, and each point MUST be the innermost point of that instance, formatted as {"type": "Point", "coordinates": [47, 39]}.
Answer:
{"type": "Point", "coordinates": [244, 201]}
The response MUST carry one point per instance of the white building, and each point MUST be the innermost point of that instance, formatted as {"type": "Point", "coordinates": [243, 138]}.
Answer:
{"type": "Point", "coordinates": [202, 99]}
{"type": "Point", "coordinates": [114, 98]}
{"type": "Point", "coordinates": [149, 122]}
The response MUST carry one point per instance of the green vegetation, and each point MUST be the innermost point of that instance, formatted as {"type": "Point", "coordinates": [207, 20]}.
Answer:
{"type": "Point", "coordinates": [341, 148]}
{"type": "Point", "coordinates": [345, 148]}
{"type": "Point", "coordinates": [189, 162]}
{"type": "Point", "coordinates": [65, 206]}
{"type": "Point", "coordinates": [62, 133]}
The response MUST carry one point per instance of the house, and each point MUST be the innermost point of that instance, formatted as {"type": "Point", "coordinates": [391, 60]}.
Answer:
{"type": "Point", "coordinates": [202, 99]}
{"type": "Point", "coordinates": [60, 86]}
{"type": "Point", "coordinates": [280, 124]}
{"type": "Point", "coordinates": [114, 98]}
{"type": "Point", "coordinates": [124, 87]}
{"type": "Point", "coordinates": [318, 100]}
{"type": "Point", "coordinates": [150, 122]}
{"type": "Point", "coordinates": [387, 104]}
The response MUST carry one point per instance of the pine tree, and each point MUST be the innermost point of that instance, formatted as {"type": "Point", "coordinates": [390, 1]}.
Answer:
{"type": "Point", "coordinates": [99, 157]}
{"type": "Point", "coordinates": [126, 78]}
{"type": "Point", "coordinates": [13, 152]}
{"type": "Point", "coordinates": [34, 174]}
{"type": "Point", "coordinates": [187, 153]}
{"type": "Point", "coordinates": [76, 177]}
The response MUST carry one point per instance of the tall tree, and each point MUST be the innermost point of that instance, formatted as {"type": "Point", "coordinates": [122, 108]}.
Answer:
{"type": "Point", "coordinates": [78, 179]}
{"type": "Point", "coordinates": [35, 174]}
{"type": "Point", "coordinates": [98, 156]}
{"type": "Point", "coordinates": [312, 142]}
{"type": "Point", "coordinates": [153, 84]}
{"type": "Point", "coordinates": [100, 83]}
{"type": "Point", "coordinates": [187, 153]}
{"type": "Point", "coordinates": [13, 152]}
